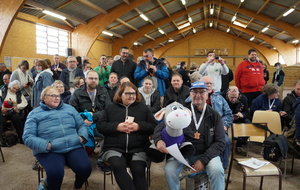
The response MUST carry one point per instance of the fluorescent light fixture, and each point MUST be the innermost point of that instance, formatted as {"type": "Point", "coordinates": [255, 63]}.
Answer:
{"type": "Point", "coordinates": [210, 24]}
{"type": "Point", "coordinates": [170, 40]}
{"type": "Point", "coordinates": [194, 30]}
{"type": "Point", "coordinates": [239, 24]}
{"type": "Point", "coordinates": [107, 33]}
{"type": "Point", "coordinates": [144, 17]}
{"type": "Point", "coordinates": [184, 25]}
{"type": "Point", "coordinates": [190, 19]}
{"type": "Point", "coordinates": [135, 43]}
{"type": "Point", "coordinates": [295, 41]}
{"type": "Point", "coordinates": [183, 2]}
{"type": "Point", "coordinates": [288, 12]}
{"type": "Point", "coordinates": [242, 1]}
{"type": "Point", "coordinates": [251, 39]}
{"type": "Point", "coordinates": [211, 11]}
{"type": "Point", "coordinates": [265, 29]}
{"type": "Point", "coordinates": [233, 18]}
{"type": "Point", "coordinates": [228, 30]}
{"type": "Point", "coordinates": [54, 14]}
{"type": "Point", "coordinates": [161, 31]}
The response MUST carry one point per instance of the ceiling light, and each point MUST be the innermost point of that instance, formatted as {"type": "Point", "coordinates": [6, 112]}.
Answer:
{"type": "Point", "coordinates": [194, 30]}
{"type": "Point", "coordinates": [161, 31]}
{"type": "Point", "coordinates": [135, 43]}
{"type": "Point", "coordinates": [183, 2]}
{"type": "Point", "coordinates": [233, 18]}
{"type": "Point", "coordinates": [295, 41]}
{"type": "Point", "coordinates": [239, 24]}
{"type": "Point", "coordinates": [144, 17]}
{"type": "Point", "coordinates": [274, 48]}
{"type": "Point", "coordinates": [210, 24]}
{"type": "Point", "coordinates": [54, 14]}
{"type": "Point", "coordinates": [190, 19]}
{"type": "Point", "coordinates": [107, 33]}
{"type": "Point", "coordinates": [211, 11]}
{"type": "Point", "coordinates": [184, 25]}
{"type": "Point", "coordinates": [228, 30]}
{"type": "Point", "coordinates": [170, 40]}
{"type": "Point", "coordinates": [242, 1]}
{"type": "Point", "coordinates": [265, 29]}
{"type": "Point", "coordinates": [251, 39]}
{"type": "Point", "coordinates": [288, 12]}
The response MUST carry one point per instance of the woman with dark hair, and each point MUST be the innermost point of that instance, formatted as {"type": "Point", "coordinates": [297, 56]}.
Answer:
{"type": "Point", "coordinates": [268, 100]}
{"type": "Point", "coordinates": [266, 72]}
{"type": "Point", "coordinates": [43, 80]}
{"type": "Point", "coordinates": [127, 125]}
{"type": "Point", "coordinates": [24, 76]}
{"type": "Point", "coordinates": [278, 77]}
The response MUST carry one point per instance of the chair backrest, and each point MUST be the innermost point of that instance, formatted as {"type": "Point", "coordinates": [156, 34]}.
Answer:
{"type": "Point", "coordinates": [247, 130]}
{"type": "Point", "coordinates": [272, 119]}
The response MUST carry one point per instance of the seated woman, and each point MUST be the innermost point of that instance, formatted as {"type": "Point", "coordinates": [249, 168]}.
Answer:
{"type": "Point", "coordinates": [56, 134]}
{"type": "Point", "coordinates": [112, 85]}
{"type": "Point", "coordinates": [64, 95]}
{"type": "Point", "coordinates": [12, 102]}
{"type": "Point", "coordinates": [268, 100]}
{"type": "Point", "coordinates": [127, 125]}
{"type": "Point", "coordinates": [150, 95]}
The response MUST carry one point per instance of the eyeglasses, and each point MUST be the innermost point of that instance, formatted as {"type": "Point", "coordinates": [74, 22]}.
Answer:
{"type": "Point", "coordinates": [16, 89]}
{"type": "Point", "coordinates": [129, 94]}
{"type": "Point", "coordinates": [233, 90]}
{"type": "Point", "coordinates": [53, 95]}
{"type": "Point", "coordinates": [92, 78]}
{"type": "Point", "coordinates": [198, 92]}
{"type": "Point", "coordinates": [209, 83]}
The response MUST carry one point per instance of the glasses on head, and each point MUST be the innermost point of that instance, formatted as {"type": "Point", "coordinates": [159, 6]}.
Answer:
{"type": "Point", "coordinates": [53, 95]}
{"type": "Point", "coordinates": [130, 94]}
{"type": "Point", "coordinates": [92, 78]}
{"type": "Point", "coordinates": [198, 92]}
{"type": "Point", "coordinates": [233, 90]}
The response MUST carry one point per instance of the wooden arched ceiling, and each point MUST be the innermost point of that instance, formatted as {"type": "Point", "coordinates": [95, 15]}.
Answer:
{"type": "Point", "coordinates": [87, 19]}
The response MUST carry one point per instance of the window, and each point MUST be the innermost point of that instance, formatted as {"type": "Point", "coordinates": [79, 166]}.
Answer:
{"type": "Point", "coordinates": [51, 40]}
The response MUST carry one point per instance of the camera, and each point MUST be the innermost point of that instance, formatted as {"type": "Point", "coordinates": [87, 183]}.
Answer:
{"type": "Point", "coordinates": [217, 57]}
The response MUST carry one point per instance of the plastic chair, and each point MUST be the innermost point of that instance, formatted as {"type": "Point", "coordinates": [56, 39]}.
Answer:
{"type": "Point", "coordinates": [248, 129]}
{"type": "Point", "coordinates": [273, 121]}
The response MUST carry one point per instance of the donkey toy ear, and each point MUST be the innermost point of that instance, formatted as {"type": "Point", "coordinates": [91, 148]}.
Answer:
{"type": "Point", "coordinates": [160, 114]}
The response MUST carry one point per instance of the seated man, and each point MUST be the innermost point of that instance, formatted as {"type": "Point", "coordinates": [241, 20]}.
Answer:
{"type": "Point", "coordinates": [209, 143]}
{"type": "Point", "coordinates": [177, 92]}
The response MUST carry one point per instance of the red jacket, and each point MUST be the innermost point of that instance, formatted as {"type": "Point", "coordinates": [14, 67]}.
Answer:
{"type": "Point", "coordinates": [249, 77]}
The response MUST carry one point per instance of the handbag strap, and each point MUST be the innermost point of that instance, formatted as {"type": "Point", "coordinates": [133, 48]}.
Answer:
{"type": "Point", "coordinates": [264, 127]}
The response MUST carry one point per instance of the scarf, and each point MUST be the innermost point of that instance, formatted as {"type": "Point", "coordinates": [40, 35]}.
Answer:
{"type": "Point", "coordinates": [24, 79]}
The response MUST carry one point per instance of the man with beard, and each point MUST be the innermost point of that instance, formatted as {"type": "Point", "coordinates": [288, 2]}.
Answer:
{"type": "Point", "coordinates": [206, 133]}
{"type": "Point", "coordinates": [124, 66]}
{"type": "Point", "coordinates": [249, 76]}
{"type": "Point", "coordinates": [91, 97]}
{"type": "Point", "coordinates": [238, 104]}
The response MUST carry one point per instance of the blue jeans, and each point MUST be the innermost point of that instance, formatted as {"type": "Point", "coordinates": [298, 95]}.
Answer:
{"type": "Point", "coordinates": [54, 165]}
{"type": "Point", "coordinates": [226, 152]}
{"type": "Point", "coordinates": [214, 170]}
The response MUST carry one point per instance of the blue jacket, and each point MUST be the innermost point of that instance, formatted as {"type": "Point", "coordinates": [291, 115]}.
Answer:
{"type": "Point", "coordinates": [61, 126]}
{"type": "Point", "coordinates": [161, 74]}
{"type": "Point", "coordinates": [262, 103]}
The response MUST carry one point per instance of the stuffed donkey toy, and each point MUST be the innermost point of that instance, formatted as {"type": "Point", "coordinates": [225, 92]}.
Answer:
{"type": "Point", "coordinates": [176, 118]}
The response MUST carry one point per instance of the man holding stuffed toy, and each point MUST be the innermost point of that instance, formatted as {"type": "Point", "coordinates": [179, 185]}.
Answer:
{"type": "Point", "coordinates": [206, 133]}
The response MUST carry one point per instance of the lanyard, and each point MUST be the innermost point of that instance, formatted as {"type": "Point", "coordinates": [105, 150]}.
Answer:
{"type": "Point", "coordinates": [93, 97]}
{"type": "Point", "coordinates": [197, 124]}
{"type": "Point", "coordinates": [270, 106]}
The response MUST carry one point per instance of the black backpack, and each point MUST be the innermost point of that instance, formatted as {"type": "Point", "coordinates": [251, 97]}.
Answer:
{"type": "Point", "coordinates": [10, 139]}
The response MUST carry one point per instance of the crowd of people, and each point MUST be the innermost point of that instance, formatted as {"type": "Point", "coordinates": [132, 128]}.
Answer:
{"type": "Point", "coordinates": [119, 97]}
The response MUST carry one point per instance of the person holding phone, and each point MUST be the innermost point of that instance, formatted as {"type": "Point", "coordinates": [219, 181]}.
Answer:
{"type": "Point", "coordinates": [103, 71]}
{"type": "Point", "coordinates": [127, 125]}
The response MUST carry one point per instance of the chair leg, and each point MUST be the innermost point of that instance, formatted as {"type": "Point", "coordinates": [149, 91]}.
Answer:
{"type": "Point", "coordinates": [284, 168]}
{"type": "Point", "coordinates": [2, 154]}
{"type": "Point", "coordinates": [229, 172]}
{"type": "Point", "coordinates": [261, 182]}
{"type": "Point", "coordinates": [293, 159]}
{"type": "Point", "coordinates": [244, 182]}
{"type": "Point", "coordinates": [104, 180]}
{"type": "Point", "coordinates": [86, 183]}
{"type": "Point", "coordinates": [280, 180]}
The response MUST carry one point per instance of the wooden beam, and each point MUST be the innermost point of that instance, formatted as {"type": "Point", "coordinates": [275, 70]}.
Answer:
{"type": "Point", "coordinates": [114, 33]}
{"type": "Point", "coordinates": [147, 36]}
{"type": "Point", "coordinates": [280, 33]}
{"type": "Point", "coordinates": [127, 1]}
{"type": "Point", "coordinates": [126, 24]}
{"type": "Point", "coordinates": [140, 12]}
{"type": "Point", "coordinates": [64, 4]}
{"type": "Point", "coordinates": [163, 8]}
{"type": "Point", "coordinates": [263, 42]}
{"type": "Point", "coordinates": [69, 17]}
{"type": "Point", "coordinates": [30, 7]}
{"type": "Point", "coordinates": [8, 12]}
{"type": "Point", "coordinates": [69, 24]}
{"type": "Point", "coordinates": [100, 38]}
{"type": "Point", "coordinates": [93, 6]}
{"type": "Point", "coordinates": [262, 7]}
{"type": "Point", "coordinates": [293, 6]}
{"type": "Point", "coordinates": [297, 24]}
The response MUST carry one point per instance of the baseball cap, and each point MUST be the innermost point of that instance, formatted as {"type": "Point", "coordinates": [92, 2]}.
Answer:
{"type": "Point", "coordinates": [198, 84]}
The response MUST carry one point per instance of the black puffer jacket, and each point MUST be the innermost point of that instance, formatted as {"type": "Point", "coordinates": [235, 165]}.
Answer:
{"type": "Point", "coordinates": [137, 141]}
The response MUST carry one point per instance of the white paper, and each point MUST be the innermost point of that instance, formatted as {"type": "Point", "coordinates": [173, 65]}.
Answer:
{"type": "Point", "coordinates": [254, 163]}
{"type": "Point", "coordinates": [174, 151]}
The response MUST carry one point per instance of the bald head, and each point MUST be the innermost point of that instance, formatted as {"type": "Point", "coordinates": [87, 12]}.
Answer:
{"type": "Point", "coordinates": [233, 94]}
{"type": "Point", "coordinates": [6, 79]}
